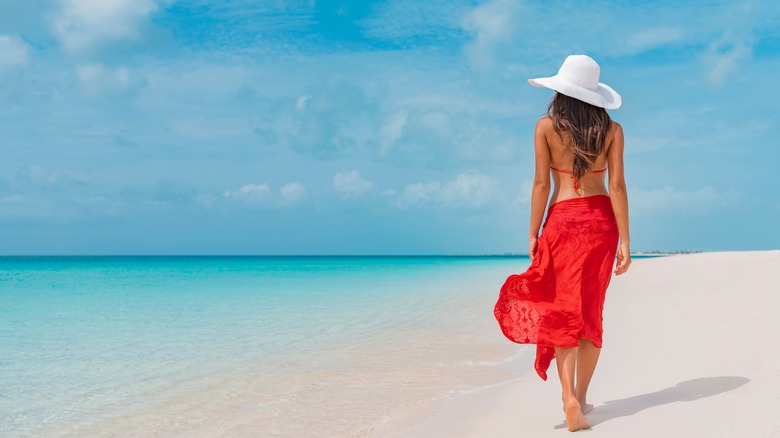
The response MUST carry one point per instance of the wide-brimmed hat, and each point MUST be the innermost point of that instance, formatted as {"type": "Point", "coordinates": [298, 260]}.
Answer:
{"type": "Point", "coordinates": [578, 77]}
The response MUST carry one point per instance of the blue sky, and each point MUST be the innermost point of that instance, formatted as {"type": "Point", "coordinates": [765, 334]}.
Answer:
{"type": "Point", "coordinates": [369, 127]}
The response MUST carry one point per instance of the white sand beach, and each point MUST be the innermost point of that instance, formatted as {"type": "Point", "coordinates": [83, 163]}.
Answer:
{"type": "Point", "coordinates": [690, 350]}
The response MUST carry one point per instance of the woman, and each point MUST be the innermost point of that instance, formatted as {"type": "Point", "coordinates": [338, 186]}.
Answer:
{"type": "Point", "coordinates": [557, 303]}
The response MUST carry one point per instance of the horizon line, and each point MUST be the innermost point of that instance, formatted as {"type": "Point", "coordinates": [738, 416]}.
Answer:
{"type": "Point", "coordinates": [508, 255]}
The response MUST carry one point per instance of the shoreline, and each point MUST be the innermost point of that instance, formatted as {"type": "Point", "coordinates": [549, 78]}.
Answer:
{"type": "Point", "coordinates": [682, 337]}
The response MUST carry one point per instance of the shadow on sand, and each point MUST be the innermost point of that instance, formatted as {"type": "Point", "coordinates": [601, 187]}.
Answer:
{"type": "Point", "coordinates": [688, 390]}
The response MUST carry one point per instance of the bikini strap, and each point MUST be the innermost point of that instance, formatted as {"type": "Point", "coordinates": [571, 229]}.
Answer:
{"type": "Point", "coordinates": [571, 174]}
{"type": "Point", "coordinates": [561, 170]}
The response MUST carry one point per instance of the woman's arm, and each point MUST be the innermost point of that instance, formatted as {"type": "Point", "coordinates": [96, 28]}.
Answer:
{"type": "Point", "coordinates": [619, 198]}
{"type": "Point", "coordinates": [541, 187]}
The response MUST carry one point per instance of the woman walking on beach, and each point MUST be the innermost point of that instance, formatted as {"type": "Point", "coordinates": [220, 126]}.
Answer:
{"type": "Point", "coordinates": [557, 303]}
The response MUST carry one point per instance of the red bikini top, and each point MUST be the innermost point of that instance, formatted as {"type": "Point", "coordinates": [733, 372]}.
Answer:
{"type": "Point", "coordinates": [571, 174]}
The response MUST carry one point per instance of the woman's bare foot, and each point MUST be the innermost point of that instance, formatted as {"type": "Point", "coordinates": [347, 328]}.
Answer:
{"type": "Point", "coordinates": [584, 407]}
{"type": "Point", "coordinates": [575, 420]}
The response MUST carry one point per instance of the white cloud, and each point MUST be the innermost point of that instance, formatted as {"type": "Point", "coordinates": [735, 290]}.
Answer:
{"type": "Point", "coordinates": [724, 58]}
{"type": "Point", "coordinates": [742, 27]}
{"type": "Point", "coordinates": [334, 116]}
{"type": "Point", "coordinates": [392, 130]}
{"type": "Point", "coordinates": [13, 52]}
{"type": "Point", "coordinates": [262, 194]}
{"type": "Point", "coordinates": [446, 133]}
{"type": "Point", "coordinates": [99, 80]}
{"type": "Point", "coordinates": [493, 24]}
{"type": "Point", "coordinates": [470, 189]}
{"type": "Point", "coordinates": [84, 25]}
{"type": "Point", "coordinates": [251, 193]}
{"type": "Point", "coordinates": [300, 103]}
{"type": "Point", "coordinates": [39, 176]}
{"type": "Point", "coordinates": [292, 192]}
{"type": "Point", "coordinates": [651, 38]}
{"type": "Point", "coordinates": [351, 183]}
{"type": "Point", "coordinates": [672, 198]}
{"type": "Point", "coordinates": [420, 193]}
{"type": "Point", "coordinates": [467, 190]}
{"type": "Point", "coordinates": [524, 195]}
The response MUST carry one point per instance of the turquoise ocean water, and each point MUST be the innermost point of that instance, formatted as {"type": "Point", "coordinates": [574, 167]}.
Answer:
{"type": "Point", "coordinates": [242, 346]}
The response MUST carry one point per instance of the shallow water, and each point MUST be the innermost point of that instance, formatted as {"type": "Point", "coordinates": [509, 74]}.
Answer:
{"type": "Point", "coordinates": [247, 346]}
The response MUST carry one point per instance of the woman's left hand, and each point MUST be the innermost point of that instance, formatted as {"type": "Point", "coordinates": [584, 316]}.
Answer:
{"type": "Point", "coordinates": [623, 259]}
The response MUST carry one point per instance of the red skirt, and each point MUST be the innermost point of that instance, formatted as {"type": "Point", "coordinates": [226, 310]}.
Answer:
{"type": "Point", "coordinates": [560, 298]}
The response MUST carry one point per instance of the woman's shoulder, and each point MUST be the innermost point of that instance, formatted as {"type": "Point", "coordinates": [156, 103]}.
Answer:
{"type": "Point", "coordinates": [544, 120]}
{"type": "Point", "coordinates": [545, 123]}
{"type": "Point", "coordinates": [615, 130]}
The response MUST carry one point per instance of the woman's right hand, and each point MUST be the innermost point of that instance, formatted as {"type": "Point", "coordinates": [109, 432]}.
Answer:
{"type": "Point", "coordinates": [623, 259]}
{"type": "Point", "coordinates": [532, 245]}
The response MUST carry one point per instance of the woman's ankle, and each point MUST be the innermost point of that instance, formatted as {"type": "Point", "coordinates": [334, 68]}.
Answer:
{"type": "Point", "coordinates": [569, 399]}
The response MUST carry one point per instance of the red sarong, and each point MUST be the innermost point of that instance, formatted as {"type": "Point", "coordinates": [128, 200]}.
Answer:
{"type": "Point", "coordinates": [560, 298]}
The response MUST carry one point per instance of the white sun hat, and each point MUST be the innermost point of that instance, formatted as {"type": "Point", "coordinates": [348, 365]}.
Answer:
{"type": "Point", "coordinates": [578, 77]}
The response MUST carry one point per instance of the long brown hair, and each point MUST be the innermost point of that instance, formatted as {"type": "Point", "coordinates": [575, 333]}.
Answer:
{"type": "Point", "coordinates": [588, 125]}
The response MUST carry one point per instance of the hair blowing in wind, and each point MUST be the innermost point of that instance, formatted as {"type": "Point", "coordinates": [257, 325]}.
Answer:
{"type": "Point", "coordinates": [588, 126]}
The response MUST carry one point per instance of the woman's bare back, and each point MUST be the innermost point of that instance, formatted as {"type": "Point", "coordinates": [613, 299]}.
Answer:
{"type": "Point", "coordinates": [562, 158]}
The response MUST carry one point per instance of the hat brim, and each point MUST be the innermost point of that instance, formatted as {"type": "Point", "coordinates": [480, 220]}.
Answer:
{"type": "Point", "coordinates": [603, 96]}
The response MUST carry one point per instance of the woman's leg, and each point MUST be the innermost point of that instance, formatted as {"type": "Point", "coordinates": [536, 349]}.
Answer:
{"type": "Point", "coordinates": [566, 359]}
{"type": "Point", "coordinates": [587, 357]}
